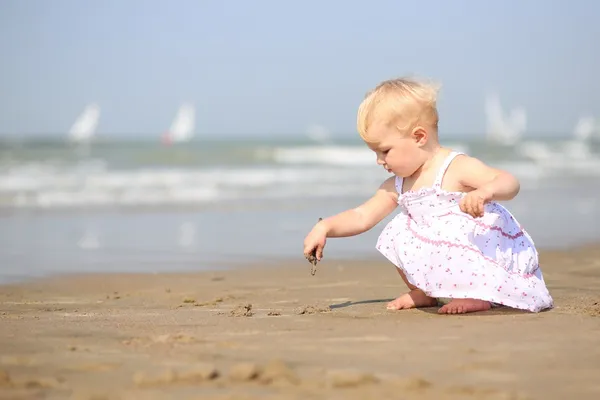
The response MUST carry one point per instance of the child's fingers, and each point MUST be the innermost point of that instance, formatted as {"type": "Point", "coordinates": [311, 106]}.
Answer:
{"type": "Point", "coordinates": [319, 252]}
{"type": "Point", "coordinates": [308, 249]}
{"type": "Point", "coordinates": [462, 205]}
{"type": "Point", "coordinates": [474, 210]}
{"type": "Point", "coordinates": [473, 207]}
{"type": "Point", "coordinates": [481, 207]}
{"type": "Point", "coordinates": [468, 207]}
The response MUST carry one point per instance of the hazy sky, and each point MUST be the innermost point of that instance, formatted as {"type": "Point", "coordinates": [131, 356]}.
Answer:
{"type": "Point", "coordinates": [272, 66]}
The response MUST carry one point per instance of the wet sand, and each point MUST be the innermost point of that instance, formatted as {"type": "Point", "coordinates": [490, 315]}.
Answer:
{"type": "Point", "coordinates": [273, 331]}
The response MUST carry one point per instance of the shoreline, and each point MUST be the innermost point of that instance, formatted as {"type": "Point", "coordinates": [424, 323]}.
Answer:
{"type": "Point", "coordinates": [271, 330]}
{"type": "Point", "coordinates": [272, 262]}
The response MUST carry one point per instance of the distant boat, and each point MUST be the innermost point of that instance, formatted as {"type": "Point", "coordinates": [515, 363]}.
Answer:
{"type": "Point", "coordinates": [503, 129]}
{"type": "Point", "coordinates": [182, 128]}
{"type": "Point", "coordinates": [585, 128]}
{"type": "Point", "coordinates": [84, 127]}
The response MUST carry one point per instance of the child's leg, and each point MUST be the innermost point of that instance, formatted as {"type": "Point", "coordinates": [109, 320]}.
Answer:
{"type": "Point", "coordinates": [413, 299]}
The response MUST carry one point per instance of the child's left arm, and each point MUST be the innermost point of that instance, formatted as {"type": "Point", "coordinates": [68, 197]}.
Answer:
{"type": "Point", "coordinates": [488, 184]}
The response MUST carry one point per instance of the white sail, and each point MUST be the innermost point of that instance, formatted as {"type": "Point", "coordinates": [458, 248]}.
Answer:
{"type": "Point", "coordinates": [84, 127]}
{"type": "Point", "coordinates": [585, 128]}
{"type": "Point", "coordinates": [500, 128]}
{"type": "Point", "coordinates": [182, 128]}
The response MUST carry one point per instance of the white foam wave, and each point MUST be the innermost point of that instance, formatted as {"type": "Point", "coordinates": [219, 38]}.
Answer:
{"type": "Point", "coordinates": [573, 156]}
{"type": "Point", "coordinates": [52, 185]}
{"type": "Point", "coordinates": [328, 155]}
{"type": "Point", "coordinates": [334, 155]}
{"type": "Point", "coordinates": [56, 187]}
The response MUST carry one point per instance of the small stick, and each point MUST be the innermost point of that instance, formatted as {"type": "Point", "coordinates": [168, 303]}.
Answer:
{"type": "Point", "coordinates": [312, 258]}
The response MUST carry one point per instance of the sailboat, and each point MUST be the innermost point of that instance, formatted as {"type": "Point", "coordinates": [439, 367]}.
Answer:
{"type": "Point", "coordinates": [585, 128]}
{"type": "Point", "coordinates": [84, 127]}
{"type": "Point", "coordinates": [501, 129]}
{"type": "Point", "coordinates": [182, 127]}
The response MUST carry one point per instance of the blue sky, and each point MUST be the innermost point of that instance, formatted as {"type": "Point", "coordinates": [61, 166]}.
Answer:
{"type": "Point", "coordinates": [275, 67]}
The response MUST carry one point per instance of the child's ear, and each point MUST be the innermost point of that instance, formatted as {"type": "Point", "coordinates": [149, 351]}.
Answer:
{"type": "Point", "coordinates": [419, 134]}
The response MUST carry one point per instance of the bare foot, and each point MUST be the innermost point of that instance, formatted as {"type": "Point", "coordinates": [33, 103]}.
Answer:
{"type": "Point", "coordinates": [413, 299]}
{"type": "Point", "coordinates": [462, 306]}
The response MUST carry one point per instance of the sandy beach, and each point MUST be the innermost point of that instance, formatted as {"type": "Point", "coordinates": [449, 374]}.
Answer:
{"type": "Point", "coordinates": [274, 331]}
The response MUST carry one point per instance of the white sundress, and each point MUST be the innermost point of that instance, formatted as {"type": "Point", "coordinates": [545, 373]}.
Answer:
{"type": "Point", "coordinates": [449, 254]}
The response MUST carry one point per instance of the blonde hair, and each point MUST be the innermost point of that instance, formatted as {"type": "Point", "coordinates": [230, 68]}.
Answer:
{"type": "Point", "coordinates": [403, 101]}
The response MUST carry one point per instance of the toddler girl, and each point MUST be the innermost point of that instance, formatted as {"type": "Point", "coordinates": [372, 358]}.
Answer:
{"type": "Point", "coordinates": [450, 240]}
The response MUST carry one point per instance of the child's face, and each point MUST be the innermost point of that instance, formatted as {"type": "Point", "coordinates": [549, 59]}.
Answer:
{"type": "Point", "coordinates": [399, 153]}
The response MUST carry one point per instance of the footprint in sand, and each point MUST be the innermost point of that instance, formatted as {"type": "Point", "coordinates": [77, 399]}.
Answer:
{"type": "Point", "coordinates": [243, 310]}
{"type": "Point", "coordinates": [275, 371]}
{"type": "Point", "coordinates": [312, 310]}
{"type": "Point", "coordinates": [168, 376]}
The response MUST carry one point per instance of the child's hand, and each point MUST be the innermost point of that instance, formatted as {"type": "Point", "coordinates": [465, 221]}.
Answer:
{"type": "Point", "coordinates": [315, 240]}
{"type": "Point", "coordinates": [474, 202]}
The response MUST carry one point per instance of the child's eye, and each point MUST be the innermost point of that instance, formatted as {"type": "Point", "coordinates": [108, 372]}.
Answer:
{"type": "Point", "coordinates": [385, 151]}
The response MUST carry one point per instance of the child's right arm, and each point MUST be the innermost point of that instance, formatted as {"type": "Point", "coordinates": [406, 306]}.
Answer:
{"type": "Point", "coordinates": [354, 221]}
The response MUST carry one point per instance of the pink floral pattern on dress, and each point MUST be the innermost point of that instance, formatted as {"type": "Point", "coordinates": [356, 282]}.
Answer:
{"type": "Point", "coordinates": [449, 254]}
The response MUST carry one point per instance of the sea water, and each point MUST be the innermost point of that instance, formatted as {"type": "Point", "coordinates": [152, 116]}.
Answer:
{"type": "Point", "coordinates": [141, 206]}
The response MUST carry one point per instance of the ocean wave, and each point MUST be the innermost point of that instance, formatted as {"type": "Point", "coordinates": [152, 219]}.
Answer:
{"type": "Point", "coordinates": [53, 187]}
{"type": "Point", "coordinates": [333, 155]}
{"type": "Point", "coordinates": [276, 173]}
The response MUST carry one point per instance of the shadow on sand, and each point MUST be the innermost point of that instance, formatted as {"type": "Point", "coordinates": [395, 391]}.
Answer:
{"type": "Point", "coordinates": [501, 310]}
{"type": "Point", "coordinates": [355, 303]}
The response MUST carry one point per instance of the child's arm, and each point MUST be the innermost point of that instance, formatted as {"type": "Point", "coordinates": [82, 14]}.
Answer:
{"type": "Point", "coordinates": [488, 184]}
{"type": "Point", "coordinates": [362, 218]}
{"type": "Point", "coordinates": [499, 184]}
{"type": "Point", "coordinates": [354, 221]}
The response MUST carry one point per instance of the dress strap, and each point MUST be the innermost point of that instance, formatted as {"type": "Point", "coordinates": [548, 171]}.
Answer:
{"type": "Point", "coordinates": [443, 168]}
{"type": "Point", "coordinates": [399, 183]}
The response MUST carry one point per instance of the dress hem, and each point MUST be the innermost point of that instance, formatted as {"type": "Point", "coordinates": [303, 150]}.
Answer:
{"type": "Point", "coordinates": [471, 295]}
